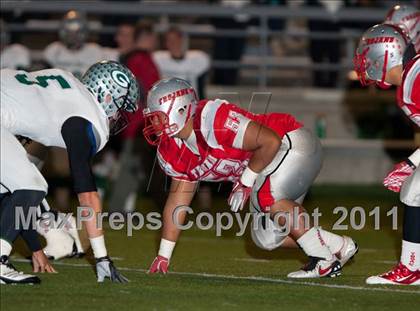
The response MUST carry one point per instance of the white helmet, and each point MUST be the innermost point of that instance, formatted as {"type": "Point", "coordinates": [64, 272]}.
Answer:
{"type": "Point", "coordinates": [116, 90]}
{"type": "Point", "coordinates": [73, 30]}
{"type": "Point", "coordinates": [381, 48]}
{"type": "Point", "coordinates": [407, 17]}
{"type": "Point", "coordinates": [170, 103]}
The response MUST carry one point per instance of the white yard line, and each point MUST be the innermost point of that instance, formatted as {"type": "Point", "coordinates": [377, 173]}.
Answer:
{"type": "Point", "coordinates": [388, 262]}
{"type": "Point", "coordinates": [253, 260]}
{"type": "Point", "coordinates": [250, 278]}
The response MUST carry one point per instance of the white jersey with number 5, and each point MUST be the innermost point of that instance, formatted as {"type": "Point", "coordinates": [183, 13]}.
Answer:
{"type": "Point", "coordinates": [36, 104]}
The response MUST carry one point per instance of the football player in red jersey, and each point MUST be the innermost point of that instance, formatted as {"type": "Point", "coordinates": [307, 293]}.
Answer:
{"type": "Point", "coordinates": [271, 158]}
{"type": "Point", "coordinates": [385, 56]}
{"type": "Point", "coordinates": [406, 17]}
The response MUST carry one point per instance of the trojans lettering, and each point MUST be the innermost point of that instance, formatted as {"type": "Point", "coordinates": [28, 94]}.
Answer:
{"type": "Point", "coordinates": [172, 96]}
{"type": "Point", "coordinates": [377, 40]}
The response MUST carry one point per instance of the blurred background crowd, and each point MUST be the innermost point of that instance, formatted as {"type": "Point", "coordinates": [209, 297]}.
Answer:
{"type": "Point", "coordinates": [279, 55]}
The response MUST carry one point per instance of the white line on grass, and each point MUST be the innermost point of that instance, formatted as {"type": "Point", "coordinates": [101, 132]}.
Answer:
{"type": "Point", "coordinates": [247, 278]}
{"type": "Point", "coordinates": [388, 262]}
{"type": "Point", "coordinates": [252, 260]}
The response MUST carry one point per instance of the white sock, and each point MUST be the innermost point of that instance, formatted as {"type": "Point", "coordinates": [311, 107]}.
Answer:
{"type": "Point", "coordinates": [166, 248]}
{"type": "Point", "coordinates": [5, 248]}
{"type": "Point", "coordinates": [313, 244]}
{"type": "Point", "coordinates": [334, 241]}
{"type": "Point", "coordinates": [98, 246]}
{"type": "Point", "coordinates": [410, 255]}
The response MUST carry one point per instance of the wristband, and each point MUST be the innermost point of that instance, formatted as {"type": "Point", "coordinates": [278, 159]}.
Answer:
{"type": "Point", "coordinates": [248, 177]}
{"type": "Point", "coordinates": [415, 158]}
{"type": "Point", "coordinates": [166, 248]}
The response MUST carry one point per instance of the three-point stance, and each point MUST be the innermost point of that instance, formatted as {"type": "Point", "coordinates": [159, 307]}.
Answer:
{"type": "Point", "coordinates": [271, 158]}
{"type": "Point", "coordinates": [54, 108]}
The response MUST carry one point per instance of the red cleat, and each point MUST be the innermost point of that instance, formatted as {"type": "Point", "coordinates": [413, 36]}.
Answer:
{"type": "Point", "coordinates": [399, 275]}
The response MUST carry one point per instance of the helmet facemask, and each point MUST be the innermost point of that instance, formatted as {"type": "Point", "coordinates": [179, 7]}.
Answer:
{"type": "Point", "coordinates": [116, 91]}
{"type": "Point", "coordinates": [117, 110]}
{"type": "Point", "coordinates": [158, 124]}
{"type": "Point", "coordinates": [380, 49]}
{"type": "Point", "coordinates": [362, 65]}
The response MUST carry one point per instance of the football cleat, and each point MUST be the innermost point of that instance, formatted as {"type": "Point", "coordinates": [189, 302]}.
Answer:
{"type": "Point", "coordinates": [347, 252]}
{"type": "Point", "coordinates": [399, 275]}
{"type": "Point", "coordinates": [9, 274]}
{"type": "Point", "coordinates": [105, 269]}
{"type": "Point", "coordinates": [318, 268]}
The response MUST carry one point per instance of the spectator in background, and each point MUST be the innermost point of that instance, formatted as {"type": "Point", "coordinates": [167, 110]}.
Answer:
{"type": "Point", "coordinates": [229, 48]}
{"type": "Point", "coordinates": [179, 61]}
{"type": "Point", "coordinates": [124, 38]}
{"type": "Point", "coordinates": [13, 56]}
{"type": "Point", "coordinates": [72, 53]}
{"type": "Point", "coordinates": [191, 65]}
{"type": "Point", "coordinates": [325, 51]}
{"type": "Point", "coordinates": [140, 60]}
{"type": "Point", "coordinates": [136, 154]}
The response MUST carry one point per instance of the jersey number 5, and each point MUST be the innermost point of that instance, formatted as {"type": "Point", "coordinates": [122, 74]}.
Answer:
{"type": "Point", "coordinates": [42, 81]}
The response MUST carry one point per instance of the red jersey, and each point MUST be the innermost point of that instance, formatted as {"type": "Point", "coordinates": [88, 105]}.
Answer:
{"type": "Point", "coordinates": [145, 70]}
{"type": "Point", "coordinates": [213, 151]}
{"type": "Point", "coordinates": [408, 94]}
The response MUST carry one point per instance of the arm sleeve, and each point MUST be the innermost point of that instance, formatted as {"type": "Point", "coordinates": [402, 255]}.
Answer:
{"type": "Point", "coordinates": [81, 142]}
{"type": "Point", "coordinates": [230, 124]}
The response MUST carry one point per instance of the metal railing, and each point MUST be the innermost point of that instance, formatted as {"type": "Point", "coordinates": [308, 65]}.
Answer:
{"type": "Point", "coordinates": [263, 31]}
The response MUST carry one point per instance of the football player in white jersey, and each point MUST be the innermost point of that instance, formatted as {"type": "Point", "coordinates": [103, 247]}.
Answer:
{"type": "Point", "coordinates": [14, 56]}
{"type": "Point", "coordinates": [72, 52]}
{"type": "Point", "coordinates": [54, 108]}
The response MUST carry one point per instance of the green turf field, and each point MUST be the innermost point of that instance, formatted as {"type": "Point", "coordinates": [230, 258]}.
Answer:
{"type": "Point", "coordinates": [228, 273]}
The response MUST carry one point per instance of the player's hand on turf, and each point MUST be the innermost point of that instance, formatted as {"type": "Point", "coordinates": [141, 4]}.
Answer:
{"type": "Point", "coordinates": [40, 263]}
{"type": "Point", "coordinates": [159, 265]}
{"type": "Point", "coordinates": [396, 177]}
{"type": "Point", "coordinates": [238, 196]}
{"type": "Point", "coordinates": [105, 269]}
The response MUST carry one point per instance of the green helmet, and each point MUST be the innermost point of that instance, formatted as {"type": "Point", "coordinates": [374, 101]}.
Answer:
{"type": "Point", "coordinates": [116, 90]}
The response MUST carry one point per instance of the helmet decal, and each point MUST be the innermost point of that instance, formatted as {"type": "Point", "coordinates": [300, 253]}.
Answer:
{"type": "Point", "coordinates": [120, 78]}
{"type": "Point", "coordinates": [380, 49]}
{"type": "Point", "coordinates": [170, 104]}
{"type": "Point", "coordinates": [116, 90]}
